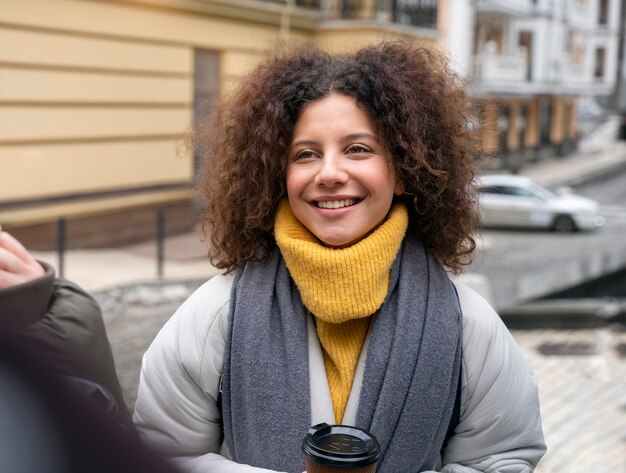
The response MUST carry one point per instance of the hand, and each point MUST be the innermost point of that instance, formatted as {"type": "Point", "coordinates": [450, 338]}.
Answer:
{"type": "Point", "coordinates": [17, 266]}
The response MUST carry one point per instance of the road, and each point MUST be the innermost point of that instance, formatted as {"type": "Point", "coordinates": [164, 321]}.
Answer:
{"type": "Point", "coordinates": [609, 190]}
{"type": "Point", "coordinates": [522, 265]}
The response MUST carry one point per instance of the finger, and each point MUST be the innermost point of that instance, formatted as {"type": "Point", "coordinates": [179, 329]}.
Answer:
{"type": "Point", "coordinates": [9, 279]}
{"type": "Point", "coordinates": [11, 263]}
{"type": "Point", "coordinates": [11, 244]}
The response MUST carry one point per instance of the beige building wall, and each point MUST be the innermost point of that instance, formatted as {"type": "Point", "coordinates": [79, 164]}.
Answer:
{"type": "Point", "coordinates": [96, 97]}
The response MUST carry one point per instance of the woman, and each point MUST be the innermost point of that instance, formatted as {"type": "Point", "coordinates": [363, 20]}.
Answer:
{"type": "Point", "coordinates": [338, 196]}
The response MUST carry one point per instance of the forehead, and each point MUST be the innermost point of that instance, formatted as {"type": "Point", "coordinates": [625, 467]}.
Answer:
{"type": "Point", "coordinates": [332, 112]}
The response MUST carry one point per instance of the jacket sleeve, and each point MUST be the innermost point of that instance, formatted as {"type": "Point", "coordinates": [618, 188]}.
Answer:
{"type": "Point", "coordinates": [176, 411]}
{"type": "Point", "coordinates": [500, 426]}
{"type": "Point", "coordinates": [25, 304]}
{"type": "Point", "coordinates": [67, 327]}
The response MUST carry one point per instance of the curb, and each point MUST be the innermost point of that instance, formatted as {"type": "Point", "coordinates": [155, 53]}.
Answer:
{"type": "Point", "coordinates": [566, 314]}
{"type": "Point", "coordinates": [596, 175]}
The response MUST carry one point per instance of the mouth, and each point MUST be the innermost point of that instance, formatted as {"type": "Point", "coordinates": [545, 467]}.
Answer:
{"type": "Point", "coordinates": [335, 204]}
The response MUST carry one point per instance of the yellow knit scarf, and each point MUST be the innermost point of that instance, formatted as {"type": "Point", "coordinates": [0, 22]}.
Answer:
{"type": "Point", "coordinates": [341, 287]}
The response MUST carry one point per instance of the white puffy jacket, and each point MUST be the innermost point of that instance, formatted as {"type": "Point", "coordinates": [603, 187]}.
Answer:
{"type": "Point", "coordinates": [176, 410]}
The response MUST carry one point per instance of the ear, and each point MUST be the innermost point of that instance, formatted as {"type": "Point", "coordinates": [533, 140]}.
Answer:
{"type": "Point", "coordinates": [399, 189]}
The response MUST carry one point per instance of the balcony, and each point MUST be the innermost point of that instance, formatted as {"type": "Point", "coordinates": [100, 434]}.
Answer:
{"type": "Point", "coordinates": [422, 13]}
{"type": "Point", "coordinates": [418, 13]}
{"type": "Point", "coordinates": [312, 4]}
{"type": "Point", "coordinates": [519, 8]}
{"type": "Point", "coordinates": [492, 67]}
{"type": "Point", "coordinates": [570, 72]}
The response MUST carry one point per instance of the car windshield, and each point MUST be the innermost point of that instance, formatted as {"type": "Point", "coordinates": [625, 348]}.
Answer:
{"type": "Point", "coordinates": [526, 190]}
{"type": "Point", "coordinates": [540, 191]}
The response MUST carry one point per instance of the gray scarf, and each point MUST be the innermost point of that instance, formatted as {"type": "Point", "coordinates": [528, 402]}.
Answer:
{"type": "Point", "coordinates": [410, 378]}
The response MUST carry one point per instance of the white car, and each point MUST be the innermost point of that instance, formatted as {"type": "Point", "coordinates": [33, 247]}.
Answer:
{"type": "Point", "coordinates": [516, 201]}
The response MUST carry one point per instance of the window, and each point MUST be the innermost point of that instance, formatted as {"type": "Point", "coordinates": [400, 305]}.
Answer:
{"type": "Point", "coordinates": [308, 3]}
{"type": "Point", "coordinates": [526, 41]}
{"type": "Point", "coordinates": [575, 46]}
{"type": "Point", "coordinates": [350, 9]}
{"type": "Point", "coordinates": [603, 12]}
{"type": "Point", "coordinates": [516, 191]}
{"type": "Point", "coordinates": [532, 191]}
{"type": "Point", "coordinates": [598, 71]}
{"type": "Point", "coordinates": [299, 3]}
{"type": "Point", "coordinates": [416, 12]}
{"type": "Point", "coordinates": [490, 190]}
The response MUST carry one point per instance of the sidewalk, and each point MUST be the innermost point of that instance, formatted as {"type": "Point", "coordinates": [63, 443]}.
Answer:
{"type": "Point", "coordinates": [185, 255]}
{"type": "Point", "coordinates": [101, 269]}
{"type": "Point", "coordinates": [598, 154]}
{"type": "Point", "coordinates": [601, 154]}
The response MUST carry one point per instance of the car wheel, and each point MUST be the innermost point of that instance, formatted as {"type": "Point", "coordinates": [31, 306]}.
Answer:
{"type": "Point", "coordinates": [564, 223]}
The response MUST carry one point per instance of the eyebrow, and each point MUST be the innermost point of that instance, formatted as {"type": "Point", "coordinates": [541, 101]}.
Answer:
{"type": "Point", "coordinates": [350, 137]}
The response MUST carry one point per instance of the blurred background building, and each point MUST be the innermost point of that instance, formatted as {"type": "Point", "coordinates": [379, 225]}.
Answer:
{"type": "Point", "coordinates": [97, 96]}
{"type": "Point", "coordinates": [540, 61]}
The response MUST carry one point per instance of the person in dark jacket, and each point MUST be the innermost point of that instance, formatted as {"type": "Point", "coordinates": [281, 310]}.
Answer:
{"type": "Point", "coordinates": [49, 427]}
{"type": "Point", "coordinates": [57, 318]}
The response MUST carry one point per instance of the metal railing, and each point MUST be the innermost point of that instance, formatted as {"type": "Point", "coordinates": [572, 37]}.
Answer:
{"type": "Point", "coordinates": [420, 13]}
{"type": "Point", "coordinates": [160, 236]}
{"type": "Point", "coordinates": [314, 4]}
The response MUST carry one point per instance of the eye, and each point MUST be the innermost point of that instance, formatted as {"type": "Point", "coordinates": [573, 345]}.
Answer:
{"type": "Point", "coordinates": [358, 149]}
{"type": "Point", "coordinates": [305, 154]}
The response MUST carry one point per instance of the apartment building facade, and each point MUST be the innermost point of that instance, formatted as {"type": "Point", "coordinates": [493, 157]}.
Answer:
{"type": "Point", "coordinates": [535, 59]}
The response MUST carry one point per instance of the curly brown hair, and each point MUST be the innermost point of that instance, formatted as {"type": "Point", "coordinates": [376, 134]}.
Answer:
{"type": "Point", "coordinates": [416, 103]}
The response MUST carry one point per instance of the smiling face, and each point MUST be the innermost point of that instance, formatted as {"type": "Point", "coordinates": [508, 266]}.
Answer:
{"type": "Point", "coordinates": [340, 180]}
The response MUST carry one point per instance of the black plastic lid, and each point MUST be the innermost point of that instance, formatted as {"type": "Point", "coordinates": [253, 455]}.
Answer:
{"type": "Point", "coordinates": [340, 446]}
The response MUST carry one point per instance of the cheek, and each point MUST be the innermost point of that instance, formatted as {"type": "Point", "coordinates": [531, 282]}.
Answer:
{"type": "Point", "coordinates": [387, 182]}
{"type": "Point", "coordinates": [289, 182]}
{"type": "Point", "coordinates": [295, 186]}
{"type": "Point", "coordinates": [293, 193]}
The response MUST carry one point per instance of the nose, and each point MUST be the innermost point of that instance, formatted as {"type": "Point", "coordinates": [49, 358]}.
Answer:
{"type": "Point", "coordinates": [332, 171]}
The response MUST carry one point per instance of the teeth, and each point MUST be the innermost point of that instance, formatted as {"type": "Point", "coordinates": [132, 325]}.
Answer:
{"type": "Point", "coordinates": [336, 204]}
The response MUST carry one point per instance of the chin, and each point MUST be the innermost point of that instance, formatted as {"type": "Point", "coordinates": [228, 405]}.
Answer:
{"type": "Point", "coordinates": [335, 243]}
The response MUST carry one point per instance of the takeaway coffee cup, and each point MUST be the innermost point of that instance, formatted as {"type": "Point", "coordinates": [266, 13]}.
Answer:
{"type": "Point", "coordinates": [340, 449]}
